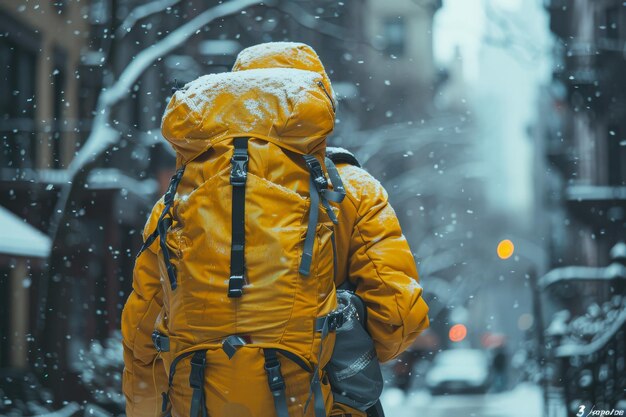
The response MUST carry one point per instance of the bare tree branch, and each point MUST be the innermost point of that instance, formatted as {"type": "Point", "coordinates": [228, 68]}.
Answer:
{"type": "Point", "coordinates": [307, 20]}
{"type": "Point", "coordinates": [175, 39]}
{"type": "Point", "coordinates": [141, 12]}
{"type": "Point", "coordinates": [102, 136]}
{"type": "Point", "coordinates": [304, 18]}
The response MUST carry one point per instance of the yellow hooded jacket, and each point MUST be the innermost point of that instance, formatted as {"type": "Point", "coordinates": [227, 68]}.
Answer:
{"type": "Point", "coordinates": [266, 97]}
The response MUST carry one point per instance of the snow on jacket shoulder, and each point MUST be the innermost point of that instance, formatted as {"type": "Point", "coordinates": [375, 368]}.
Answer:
{"type": "Point", "coordinates": [375, 257]}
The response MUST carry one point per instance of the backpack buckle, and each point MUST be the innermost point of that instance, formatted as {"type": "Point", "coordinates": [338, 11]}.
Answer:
{"type": "Point", "coordinates": [332, 321]}
{"type": "Point", "coordinates": [319, 179]}
{"type": "Point", "coordinates": [235, 286]}
{"type": "Point", "coordinates": [168, 198]}
{"type": "Point", "coordinates": [274, 376]}
{"type": "Point", "coordinates": [160, 341]}
{"type": "Point", "coordinates": [239, 171]}
{"type": "Point", "coordinates": [198, 363]}
{"type": "Point", "coordinates": [335, 320]}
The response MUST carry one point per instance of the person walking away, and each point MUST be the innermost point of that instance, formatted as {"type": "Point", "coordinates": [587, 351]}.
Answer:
{"type": "Point", "coordinates": [234, 291]}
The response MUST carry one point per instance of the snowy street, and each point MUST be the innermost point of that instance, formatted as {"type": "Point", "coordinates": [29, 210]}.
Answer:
{"type": "Point", "coordinates": [421, 198]}
{"type": "Point", "coordinates": [522, 401]}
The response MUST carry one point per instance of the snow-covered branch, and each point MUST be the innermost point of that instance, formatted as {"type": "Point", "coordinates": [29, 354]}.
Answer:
{"type": "Point", "coordinates": [304, 18]}
{"type": "Point", "coordinates": [175, 39]}
{"type": "Point", "coordinates": [102, 136]}
{"type": "Point", "coordinates": [141, 12]}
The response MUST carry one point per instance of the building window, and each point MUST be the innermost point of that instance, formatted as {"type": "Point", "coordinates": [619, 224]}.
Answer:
{"type": "Point", "coordinates": [394, 31]}
{"type": "Point", "coordinates": [18, 59]}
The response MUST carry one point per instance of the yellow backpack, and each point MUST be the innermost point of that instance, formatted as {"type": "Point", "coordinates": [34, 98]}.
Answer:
{"type": "Point", "coordinates": [244, 238]}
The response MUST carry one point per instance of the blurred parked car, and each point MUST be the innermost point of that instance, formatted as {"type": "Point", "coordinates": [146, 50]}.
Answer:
{"type": "Point", "coordinates": [459, 371]}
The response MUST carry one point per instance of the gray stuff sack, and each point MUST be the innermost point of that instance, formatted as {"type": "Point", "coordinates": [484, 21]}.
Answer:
{"type": "Point", "coordinates": [354, 371]}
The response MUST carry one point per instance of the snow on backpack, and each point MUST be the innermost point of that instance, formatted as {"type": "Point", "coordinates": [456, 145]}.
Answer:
{"type": "Point", "coordinates": [271, 294]}
{"type": "Point", "coordinates": [245, 247]}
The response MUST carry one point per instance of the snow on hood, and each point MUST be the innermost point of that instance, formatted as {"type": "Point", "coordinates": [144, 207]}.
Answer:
{"type": "Point", "coordinates": [289, 106]}
{"type": "Point", "coordinates": [282, 55]}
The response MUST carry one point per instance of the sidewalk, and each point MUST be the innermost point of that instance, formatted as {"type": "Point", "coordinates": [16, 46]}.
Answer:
{"type": "Point", "coordinates": [525, 400]}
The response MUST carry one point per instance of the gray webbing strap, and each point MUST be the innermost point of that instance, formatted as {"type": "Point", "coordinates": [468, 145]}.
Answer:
{"type": "Point", "coordinates": [231, 344]}
{"type": "Point", "coordinates": [168, 200]}
{"type": "Point", "coordinates": [163, 223]}
{"type": "Point", "coordinates": [338, 193]}
{"type": "Point", "coordinates": [315, 389]}
{"type": "Point", "coordinates": [196, 382]}
{"type": "Point", "coordinates": [309, 241]}
{"type": "Point", "coordinates": [329, 210]}
{"type": "Point", "coordinates": [162, 227]}
{"type": "Point", "coordinates": [334, 244]}
{"type": "Point", "coordinates": [319, 192]}
{"type": "Point", "coordinates": [318, 397]}
{"type": "Point", "coordinates": [276, 382]}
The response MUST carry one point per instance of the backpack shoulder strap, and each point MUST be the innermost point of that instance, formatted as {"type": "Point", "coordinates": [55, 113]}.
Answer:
{"type": "Point", "coordinates": [238, 178]}
{"type": "Point", "coordinates": [341, 156]}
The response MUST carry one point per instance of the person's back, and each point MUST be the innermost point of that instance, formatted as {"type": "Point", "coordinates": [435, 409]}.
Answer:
{"type": "Point", "coordinates": [184, 291]}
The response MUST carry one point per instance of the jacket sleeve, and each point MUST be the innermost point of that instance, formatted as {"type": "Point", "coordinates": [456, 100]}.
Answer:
{"type": "Point", "coordinates": [144, 377]}
{"type": "Point", "coordinates": [381, 265]}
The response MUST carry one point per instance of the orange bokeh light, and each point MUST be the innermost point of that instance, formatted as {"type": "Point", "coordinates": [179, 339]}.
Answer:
{"type": "Point", "coordinates": [457, 332]}
{"type": "Point", "coordinates": [505, 249]}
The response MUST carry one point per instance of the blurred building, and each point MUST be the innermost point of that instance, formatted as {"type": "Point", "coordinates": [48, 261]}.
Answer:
{"type": "Point", "coordinates": [378, 55]}
{"type": "Point", "coordinates": [583, 141]}
{"type": "Point", "coordinates": [39, 114]}
{"type": "Point", "coordinates": [63, 299]}
{"type": "Point", "coordinates": [40, 52]}
{"type": "Point", "coordinates": [586, 139]}
{"type": "Point", "coordinates": [398, 70]}
{"type": "Point", "coordinates": [62, 304]}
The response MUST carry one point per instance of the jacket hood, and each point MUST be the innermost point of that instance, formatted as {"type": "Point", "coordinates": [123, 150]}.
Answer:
{"type": "Point", "coordinates": [286, 106]}
{"type": "Point", "coordinates": [283, 55]}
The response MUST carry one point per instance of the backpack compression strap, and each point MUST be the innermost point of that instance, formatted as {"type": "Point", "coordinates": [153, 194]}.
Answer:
{"type": "Point", "coordinates": [277, 383]}
{"type": "Point", "coordinates": [338, 193]}
{"type": "Point", "coordinates": [196, 382]}
{"type": "Point", "coordinates": [318, 189]}
{"type": "Point", "coordinates": [323, 325]}
{"type": "Point", "coordinates": [238, 178]}
{"type": "Point", "coordinates": [309, 240]}
{"type": "Point", "coordinates": [163, 223]}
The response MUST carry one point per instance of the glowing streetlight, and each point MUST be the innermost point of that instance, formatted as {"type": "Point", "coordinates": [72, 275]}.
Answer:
{"type": "Point", "coordinates": [505, 249]}
{"type": "Point", "coordinates": [457, 332]}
